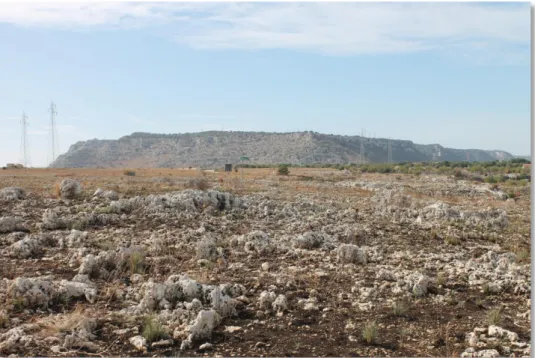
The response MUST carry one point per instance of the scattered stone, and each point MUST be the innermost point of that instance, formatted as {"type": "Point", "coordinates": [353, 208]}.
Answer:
{"type": "Point", "coordinates": [12, 194]}
{"type": "Point", "coordinates": [311, 306]}
{"type": "Point", "coordinates": [488, 353]}
{"type": "Point", "coordinates": [280, 304]}
{"type": "Point", "coordinates": [260, 345]}
{"type": "Point", "coordinates": [139, 342]}
{"type": "Point", "coordinates": [321, 274]}
{"type": "Point", "coordinates": [76, 238]}
{"type": "Point", "coordinates": [349, 253]}
{"type": "Point", "coordinates": [266, 266]}
{"type": "Point", "coordinates": [495, 331]}
{"type": "Point", "coordinates": [108, 194]}
{"type": "Point", "coordinates": [70, 189]}
{"type": "Point", "coordinates": [25, 248]}
{"type": "Point", "coordinates": [11, 224]}
{"type": "Point", "coordinates": [266, 300]}
{"type": "Point", "coordinates": [232, 329]}
{"type": "Point", "coordinates": [204, 324]}
{"type": "Point", "coordinates": [206, 347]}
{"type": "Point", "coordinates": [55, 349]}
{"type": "Point", "coordinates": [309, 240]}
{"type": "Point", "coordinates": [472, 339]}
{"type": "Point", "coordinates": [162, 344]}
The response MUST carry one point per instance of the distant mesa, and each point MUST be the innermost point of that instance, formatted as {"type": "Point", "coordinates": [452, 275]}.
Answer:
{"type": "Point", "coordinates": [216, 148]}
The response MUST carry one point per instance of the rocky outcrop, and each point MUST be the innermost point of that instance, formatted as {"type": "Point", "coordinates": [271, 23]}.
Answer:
{"type": "Point", "coordinates": [214, 149]}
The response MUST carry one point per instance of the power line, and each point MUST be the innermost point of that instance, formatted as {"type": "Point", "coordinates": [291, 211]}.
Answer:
{"type": "Point", "coordinates": [25, 153]}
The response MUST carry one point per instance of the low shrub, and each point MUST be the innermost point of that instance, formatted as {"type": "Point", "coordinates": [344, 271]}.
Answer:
{"type": "Point", "coordinates": [523, 256]}
{"type": "Point", "coordinates": [283, 170]}
{"type": "Point", "coordinates": [199, 184]}
{"type": "Point", "coordinates": [452, 240]}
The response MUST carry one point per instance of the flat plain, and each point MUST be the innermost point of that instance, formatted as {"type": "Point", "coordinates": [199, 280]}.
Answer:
{"type": "Point", "coordinates": [322, 262]}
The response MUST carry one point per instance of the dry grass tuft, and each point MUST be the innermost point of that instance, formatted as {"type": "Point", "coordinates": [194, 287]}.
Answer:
{"type": "Point", "coordinates": [369, 332]}
{"type": "Point", "coordinates": [4, 320]}
{"type": "Point", "coordinates": [136, 263]}
{"type": "Point", "coordinates": [523, 256]}
{"type": "Point", "coordinates": [153, 330]}
{"type": "Point", "coordinates": [57, 191]}
{"type": "Point", "coordinates": [441, 278]}
{"type": "Point", "coordinates": [199, 184]}
{"type": "Point", "coordinates": [17, 304]}
{"type": "Point", "coordinates": [65, 323]}
{"type": "Point", "coordinates": [480, 302]}
{"type": "Point", "coordinates": [434, 235]}
{"type": "Point", "coordinates": [399, 308]}
{"type": "Point", "coordinates": [452, 240]}
{"type": "Point", "coordinates": [494, 317]}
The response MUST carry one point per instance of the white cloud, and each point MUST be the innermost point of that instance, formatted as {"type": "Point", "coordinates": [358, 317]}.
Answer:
{"type": "Point", "coordinates": [501, 31]}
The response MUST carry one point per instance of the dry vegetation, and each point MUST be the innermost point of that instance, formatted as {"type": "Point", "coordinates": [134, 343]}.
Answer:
{"type": "Point", "coordinates": [320, 262]}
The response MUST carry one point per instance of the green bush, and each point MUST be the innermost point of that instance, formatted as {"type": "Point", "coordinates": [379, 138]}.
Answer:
{"type": "Point", "coordinates": [520, 161]}
{"type": "Point", "coordinates": [491, 180]}
{"type": "Point", "coordinates": [283, 170]}
{"type": "Point", "coordinates": [522, 256]}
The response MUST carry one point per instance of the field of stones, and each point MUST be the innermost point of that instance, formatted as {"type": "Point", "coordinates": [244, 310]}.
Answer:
{"type": "Point", "coordinates": [320, 262]}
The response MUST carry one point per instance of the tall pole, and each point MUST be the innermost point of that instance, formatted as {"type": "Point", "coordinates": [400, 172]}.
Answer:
{"type": "Point", "coordinates": [362, 147]}
{"type": "Point", "coordinates": [24, 141]}
{"type": "Point", "coordinates": [389, 151]}
{"type": "Point", "coordinates": [53, 133]}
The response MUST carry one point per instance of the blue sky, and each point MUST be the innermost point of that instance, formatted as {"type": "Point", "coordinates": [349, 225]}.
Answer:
{"type": "Point", "coordinates": [457, 74]}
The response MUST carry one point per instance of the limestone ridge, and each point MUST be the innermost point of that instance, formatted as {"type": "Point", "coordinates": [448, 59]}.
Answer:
{"type": "Point", "coordinates": [215, 148]}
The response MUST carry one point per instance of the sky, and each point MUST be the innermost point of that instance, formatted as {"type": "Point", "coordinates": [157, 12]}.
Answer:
{"type": "Point", "coordinates": [456, 74]}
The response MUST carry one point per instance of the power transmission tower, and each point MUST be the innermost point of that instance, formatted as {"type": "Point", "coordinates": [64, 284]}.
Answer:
{"type": "Point", "coordinates": [389, 151]}
{"type": "Point", "coordinates": [24, 152]}
{"type": "Point", "coordinates": [362, 147]}
{"type": "Point", "coordinates": [53, 133]}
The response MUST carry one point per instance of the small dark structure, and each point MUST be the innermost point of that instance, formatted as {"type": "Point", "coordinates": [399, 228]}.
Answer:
{"type": "Point", "coordinates": [228, 167]}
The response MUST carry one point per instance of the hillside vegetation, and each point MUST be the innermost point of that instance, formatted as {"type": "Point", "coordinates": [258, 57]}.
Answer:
{"type": "Point", "coordinates": [214, 149]}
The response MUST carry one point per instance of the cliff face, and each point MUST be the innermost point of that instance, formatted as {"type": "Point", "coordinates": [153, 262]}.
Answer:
{"type": "Point", "coordinates": [214, 149]}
